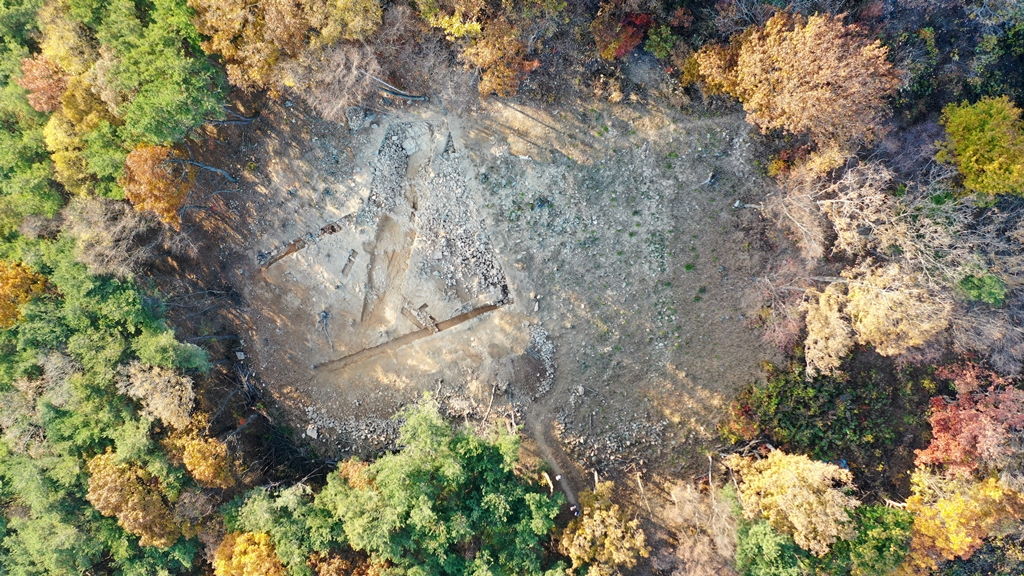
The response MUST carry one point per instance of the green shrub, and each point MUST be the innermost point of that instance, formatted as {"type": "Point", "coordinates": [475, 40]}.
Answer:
{"type": "Point", "coordinates": [883, 540]}
{"type": "Point", "coordinates": [861, 415]}
{"type": "Point", "coordinates": [987, 288]}
{"type": "Point", "coordinates": [761, 551]}
{"type": "Point", "coordinates": [660, 41]}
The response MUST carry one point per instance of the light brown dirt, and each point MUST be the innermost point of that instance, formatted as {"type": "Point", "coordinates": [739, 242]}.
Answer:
{"type": "Point", "coordinates": [575, 270]}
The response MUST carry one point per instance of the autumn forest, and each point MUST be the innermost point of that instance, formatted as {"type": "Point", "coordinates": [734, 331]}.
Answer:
{"type": "Point", "coordinates": [874, 178]}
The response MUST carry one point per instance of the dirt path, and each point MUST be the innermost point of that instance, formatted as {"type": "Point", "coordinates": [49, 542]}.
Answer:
{"type": "Point", "coordinates": [538, 427]}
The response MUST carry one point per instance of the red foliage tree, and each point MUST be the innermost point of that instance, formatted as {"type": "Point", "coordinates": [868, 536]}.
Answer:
{"type": "Point", "coordinates": [979, 428]}
{"type": "Point", "coordinates": [45, 82]}
{"type": "Point", "coordinates": [616, 34]}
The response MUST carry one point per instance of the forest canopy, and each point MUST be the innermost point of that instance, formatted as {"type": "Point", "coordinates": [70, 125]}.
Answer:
{"type": "Point", "coordinates": [887, 142]}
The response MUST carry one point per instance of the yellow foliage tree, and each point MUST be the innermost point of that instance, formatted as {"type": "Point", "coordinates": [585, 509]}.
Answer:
{"type": "Point", "coordinates": [80, 112]}
{"type": "Point", "coordinates": [344, 20]}
{"type": "Point", "coordinates": [247, 554]}
{"type": "Point", "coordinates": [798, 496]}
{"type": "Point", "coordinates": [602, 536]}
{"type": "Point", "coordinates": [18, 285]}
{"type": "Point", "coordinates": [829, 336]}
{"type": "Point", "coordinates": [891, 311]}
{"type": "Point", "coordinates": [132, 495]}
{"type": "Point", "coordinates": [70, 167]}
{"type": "Point", "coordinates": [64, 40]}
{"type": "Point", "coordinates": [207, 461]}
{"type": "Point", "coordinates": [813, 76]}
{"type": "Point", "coordinates": [954, 515]}
{"type": "Point", "coordinates": [887, 307]}
{"type": "Point", "coordinates": [986, 142]}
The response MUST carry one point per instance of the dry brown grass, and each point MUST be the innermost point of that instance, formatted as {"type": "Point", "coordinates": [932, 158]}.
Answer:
{"type": "Point", "coordinates": [703, 530]}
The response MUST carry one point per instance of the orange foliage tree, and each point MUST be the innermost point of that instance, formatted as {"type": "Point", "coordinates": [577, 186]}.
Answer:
{"type": "Point", "coordinates": [810, 76]}
{"type": "Point", "coordinates": [501, 55]}
{"type": "Point", "coordinates": [132, 495]}
{"type": "Point", "coordinates": [18, 285]}
{"type": "Point", "coordinates": [153, 180]}
{"type": "Point", "coordinates": [247, 554]}
{"type": "Point", "coordinates": [45, 82]}
{"type": "Point", "coordinates": [953, 516]}
{"type": "Point", "coordinates": [344, 564]}
{"type": "Point", "coordinates": [616, 32]}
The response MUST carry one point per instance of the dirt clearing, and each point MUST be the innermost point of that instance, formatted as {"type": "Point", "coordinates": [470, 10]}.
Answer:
{"type": "Point", "coordinates": [584, 272]}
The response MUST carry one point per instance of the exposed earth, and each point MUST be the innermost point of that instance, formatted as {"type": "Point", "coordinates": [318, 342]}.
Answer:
{"type": "Point", "coordinates": [589, 273]}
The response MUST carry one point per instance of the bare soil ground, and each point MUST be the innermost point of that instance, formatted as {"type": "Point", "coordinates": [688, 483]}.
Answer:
{"type": "Point", "coordinates": [581, 269]}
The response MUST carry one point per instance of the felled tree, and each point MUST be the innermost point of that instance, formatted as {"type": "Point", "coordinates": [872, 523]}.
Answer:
{"type": "Point", "coordinates": [18, 285]}
{"type": "Point", "coordinates": [602, 536]}
{"type": "Point", "coordinates": [247, 554]}
{"type": "Point", "coordinates": [982, 428]}
{"type": "Point", "coordinates": [953, 516]}
{"type": "Point", "coordinates": [132, 495]}
{"type": "Point", "coordinates": [207, 461]}
{"type": "Point", "coordinates": [153, 180]}
{"type": "Point", "coordinates": [45, 82]}
{"type": "Point", "coordinates": [164, 393]}
{"type": "Point", "coordinates": [798, 496]}
{"type": "Point", "coordinates": [986, 142]}
{"type": "Point", "coordinates": [810, 76]}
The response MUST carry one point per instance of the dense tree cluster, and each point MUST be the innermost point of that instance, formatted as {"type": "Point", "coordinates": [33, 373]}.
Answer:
{"type": "Point", "coordinates": [811, 76]}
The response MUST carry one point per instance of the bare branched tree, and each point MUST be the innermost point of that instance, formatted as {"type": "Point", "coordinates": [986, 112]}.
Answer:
{"type": "Point", "coordinates": [705, 528]}
{"type": "Point", "coordinates": [795, 208]}
{"type": "Point", "coordinates": [111, 237]}
{"type": "Point", "coordinates": [335, 78]}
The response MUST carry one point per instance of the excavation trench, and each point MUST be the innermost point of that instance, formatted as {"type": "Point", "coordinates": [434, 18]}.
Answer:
{"type": "Point", "coordinates": [409, 338]}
